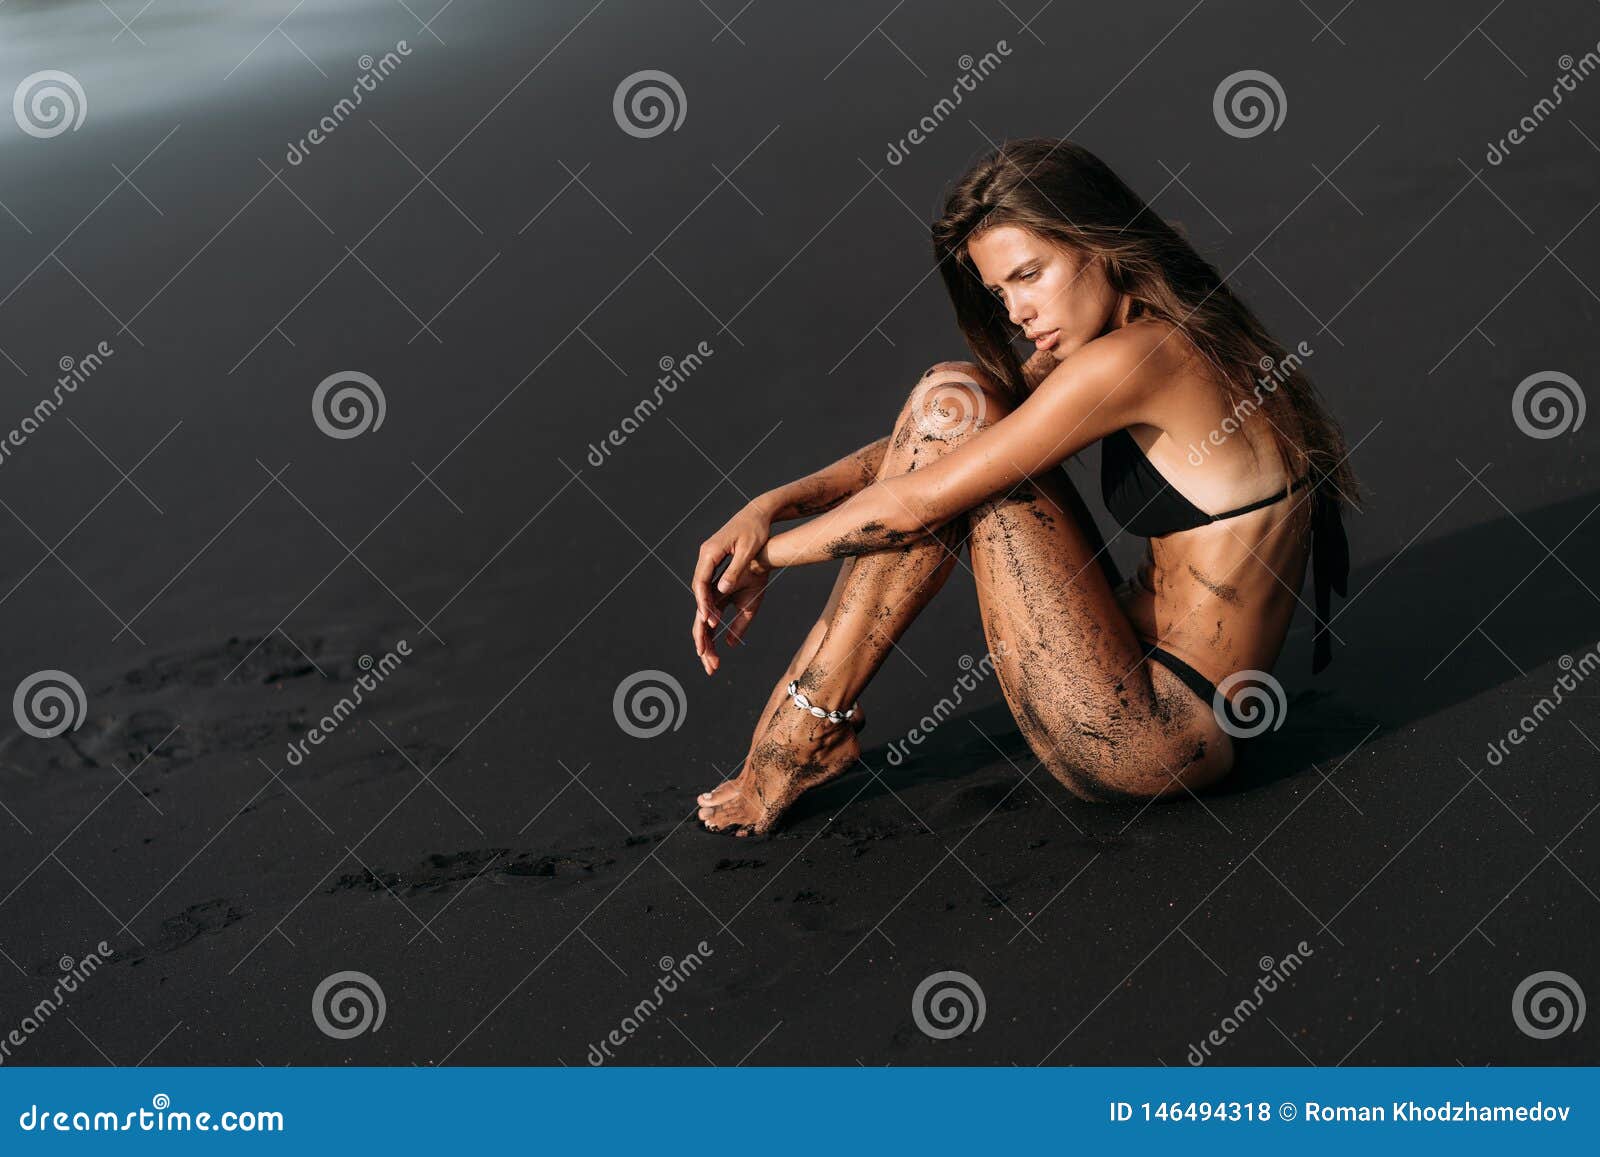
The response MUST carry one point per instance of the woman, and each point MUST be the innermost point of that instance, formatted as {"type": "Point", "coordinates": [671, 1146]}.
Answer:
{"type": "Point", "coordinates": [1137, 341]}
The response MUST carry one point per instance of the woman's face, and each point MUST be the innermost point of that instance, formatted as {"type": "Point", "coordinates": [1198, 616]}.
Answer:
{"type": "Point", "coordinates": [1060, 299]}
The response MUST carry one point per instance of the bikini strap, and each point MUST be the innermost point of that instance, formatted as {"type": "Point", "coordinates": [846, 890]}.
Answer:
{"type": "Point", "coordinates": [1268, 501]}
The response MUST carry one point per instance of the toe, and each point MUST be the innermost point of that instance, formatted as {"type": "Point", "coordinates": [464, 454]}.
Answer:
{"type": "Point", "coordinates": [719, 794]}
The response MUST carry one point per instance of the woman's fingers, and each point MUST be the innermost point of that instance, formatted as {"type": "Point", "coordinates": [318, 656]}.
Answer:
{"type": "Point", "coordinates": [741, 558]}
{"type": "Point", "coordinates": [739, 619]}
{"type": "Point", "coordinates": [705, 643]}
{"type": "Point", "coordinates": [711, 553]}
{"type": "Point", "coordinates": [738, 623]}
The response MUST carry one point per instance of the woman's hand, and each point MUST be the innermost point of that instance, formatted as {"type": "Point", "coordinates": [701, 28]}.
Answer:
{"type": "Point", "coordinates": [740, 589]}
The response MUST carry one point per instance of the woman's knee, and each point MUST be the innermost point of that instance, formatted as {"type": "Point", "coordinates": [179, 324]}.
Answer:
{"type": "Point", "coordinates": [951, 402]}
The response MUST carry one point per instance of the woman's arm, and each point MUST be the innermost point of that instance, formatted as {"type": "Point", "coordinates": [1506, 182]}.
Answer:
{"type": "Point", "coordinates": [824, 489]}
{"type": "Point", "coordinates": [1102, 387]}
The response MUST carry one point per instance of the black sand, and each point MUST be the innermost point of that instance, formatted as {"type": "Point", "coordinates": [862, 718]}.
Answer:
{"type": "Point", "coordinates": [481, 837]}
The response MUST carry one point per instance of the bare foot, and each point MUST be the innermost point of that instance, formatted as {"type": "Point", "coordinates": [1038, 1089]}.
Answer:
{"type": "Point", "coordinates": [797, 752]}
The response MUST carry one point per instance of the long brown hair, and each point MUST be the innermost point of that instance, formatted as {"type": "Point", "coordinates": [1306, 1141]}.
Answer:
{"type": "Point", "coordinates": [1061, 191]}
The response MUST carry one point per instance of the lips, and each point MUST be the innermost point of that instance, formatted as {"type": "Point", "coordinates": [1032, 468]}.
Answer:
{"type": "Point", "coordinates": [1045, 340]}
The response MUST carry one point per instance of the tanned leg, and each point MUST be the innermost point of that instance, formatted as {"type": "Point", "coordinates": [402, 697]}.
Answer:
{"type": "Point", "coordinates": [1105, 722]}
{"type": "Point", "coordinates": [876, 598]}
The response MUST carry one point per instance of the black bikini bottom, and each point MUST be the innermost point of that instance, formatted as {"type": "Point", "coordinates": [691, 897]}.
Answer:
{"type": "Point", "coordinates": [1198, 683]}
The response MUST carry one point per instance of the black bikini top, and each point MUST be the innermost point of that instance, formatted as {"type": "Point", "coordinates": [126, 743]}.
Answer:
{"type": "Point", "coordinates": [1143, 502]}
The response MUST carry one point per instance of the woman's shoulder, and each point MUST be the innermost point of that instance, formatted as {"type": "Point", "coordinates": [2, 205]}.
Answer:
{"type": "Point", "coordinates": [1148, 347]}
